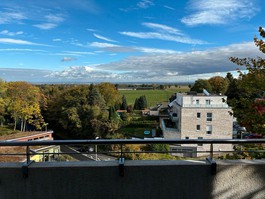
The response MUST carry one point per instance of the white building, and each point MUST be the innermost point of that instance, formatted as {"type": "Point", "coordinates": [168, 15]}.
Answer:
{"type": "Point", "coordinates": [200, 116]}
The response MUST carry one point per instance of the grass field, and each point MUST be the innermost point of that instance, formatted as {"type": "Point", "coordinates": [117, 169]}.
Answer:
{"type": "Point", "coordinates": [153, 96]}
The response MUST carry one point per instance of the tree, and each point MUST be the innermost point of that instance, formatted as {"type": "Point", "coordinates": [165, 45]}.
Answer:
{"type": "Point", "coordinates": [23, 101]}
{"type": "Point", "coordinates": [95, 98]}
{"type": "Point", "coordinates": [233, 91]}
{"type": "Point", "coordinates": [123, 103]}
{"type": "Point", "coordinates": [252, 86]}
{"type": "Point", "coordinates": [201, 84]}
{"type": "Point", "coordinates": [110, 94]}
{"type": "Point", "coordinates": [2, 101]}
{"type": "Point", "coordinates": [140, 103]}
{"type": "Point", "coordinates": [218, 84]}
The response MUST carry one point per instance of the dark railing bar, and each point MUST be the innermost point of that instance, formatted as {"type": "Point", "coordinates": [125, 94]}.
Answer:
{"type": "Point", "coordinates": [132, 141]}
{"type": "Point", "coordinates": [129, 152]}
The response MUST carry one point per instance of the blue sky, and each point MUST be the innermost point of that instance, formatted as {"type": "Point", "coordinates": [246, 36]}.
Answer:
{"type": "Point", "coordinates": [125, 40]}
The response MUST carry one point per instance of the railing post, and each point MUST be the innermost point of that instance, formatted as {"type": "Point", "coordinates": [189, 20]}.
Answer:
{"type": "Point", "coordinates": [211, 161]}
{"type": "Point", "coordinates": [211, 151]}
{"type": "Point", "coordinates": [121, 163]}
{"type": "Point", "coordinates": [25, 166]}
{"type": "Point", "coordinates": [28, 154]}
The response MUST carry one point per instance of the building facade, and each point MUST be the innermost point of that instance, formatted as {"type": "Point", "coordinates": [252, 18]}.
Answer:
{"type": "Point", "coordinates": [201, 116]}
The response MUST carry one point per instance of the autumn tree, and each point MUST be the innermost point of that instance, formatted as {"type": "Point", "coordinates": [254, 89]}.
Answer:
{"type": "Point", "coordinates": [2, 101]}
{"type": "Point", "coordinates": [252, 86]}
{"type": "Point", "coordinates": [23, 101]}
{"type": "Point", "coordinates": [110, 94]}
{"type": "Point", "coordinates": [218, 84]}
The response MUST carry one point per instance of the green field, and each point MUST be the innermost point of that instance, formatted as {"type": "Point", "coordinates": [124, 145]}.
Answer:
{"type": "Point", "coordinates": [153, 96]}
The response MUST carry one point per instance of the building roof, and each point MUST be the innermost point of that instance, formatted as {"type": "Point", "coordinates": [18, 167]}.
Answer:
{"type": "Point", "coordinates": [14, 136]}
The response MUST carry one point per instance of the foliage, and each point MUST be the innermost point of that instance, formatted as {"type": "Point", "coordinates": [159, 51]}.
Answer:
{"type": "Point", "coordinates": [23, 102]}
{"type": "Point", "coordinates": [201, 84]}
{"type": "Point", "coordinates": [250, 86]}
{"type": "Point", "coordinates": [95, 98]}
{"type": "Point", "coordinates": [218, 84]}
{"type": "Point", "coordinates": [250, 151]}
{"type": "Point", "coordinates": [110, 94]}
{"type": "Point", "coordinates": [140, 103]}
{"type": "Point", "coordinates": [157, 147]}
{"type": "Point", "coordinates": [80, 111]}
{"type": "Point", "coordinates": [123, 103]}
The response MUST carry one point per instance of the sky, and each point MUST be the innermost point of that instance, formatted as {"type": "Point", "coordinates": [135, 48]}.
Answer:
{"type": "Point", "coordinates": [125, 40]}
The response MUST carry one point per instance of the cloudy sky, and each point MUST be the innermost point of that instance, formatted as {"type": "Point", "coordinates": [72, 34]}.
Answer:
{"type": "Point", "coordinates": [125, 40]}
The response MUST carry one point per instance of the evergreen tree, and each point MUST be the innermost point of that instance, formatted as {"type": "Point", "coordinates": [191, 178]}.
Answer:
{"type": "Point", "coordinates": [136, 104]}
{"type": "Point", "coordinates": [95, 98]}
{"type": "Point", "coordinates": [123, 103]}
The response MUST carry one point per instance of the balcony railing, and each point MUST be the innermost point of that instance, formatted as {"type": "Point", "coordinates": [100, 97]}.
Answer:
{"type": "Point", "coordinates": [206, 105]}
{"type": "Point", "coordinates": [122, 142]}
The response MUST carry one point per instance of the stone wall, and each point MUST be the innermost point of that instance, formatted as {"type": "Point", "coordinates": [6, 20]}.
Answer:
{"type": "Point", "coordinates": [141, 180]}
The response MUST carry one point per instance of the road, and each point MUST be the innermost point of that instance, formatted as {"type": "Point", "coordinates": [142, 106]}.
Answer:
{"type": "Point", "coordinates": [86, 157]}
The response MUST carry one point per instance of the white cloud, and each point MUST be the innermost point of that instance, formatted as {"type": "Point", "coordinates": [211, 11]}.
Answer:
{"type": "Point", "coordinates": [155, 50]}
{"type": "Point", "coordinates": [67, 59]}
{"type": "Point", "coordinates": [103, 38]}
{"type": "Point", "coordinates": [18, 41]}
{"type": "Point", "coordinates": [166, 66]}
{"type": "Point", "coordinates": [57, 39]}
{"type": "Point", "coordinates": [169, 7]}
{"type": "Point", "coordinates": [83, 73]}
{"type": "Point", "coordinates": [163, 32]}
{"type": "Point", "coordinates": [161, 36]}
{"type": "Point", "coordinates": [218, 11]}
{"type": "Point", "coordinates": [91, 30]}
{"type": "Point", "coordinates": [117, 48]}
{"type": "Point", "coordinates": [6, 32]}
{"type": "Point", "coordinates": [103, 45]}
{"type": "Point", "coordinates": [52, 21]}
{"type": "Point", "coordinates": [145, 3]}
{"type": "Point", "coordinates": [54, 18]}
{"type": "Point", "coordinates": [163, 28]}
{"type": "Point", "coordinates": [11, 16]}
{"type": "Point", "coordinates": [46, 26]}
{"type": "Point", "coordinates": [22, 74]}
{"type": "Point", "coordinates": [21, 50]}
{"type": "Point", "coordinates": [79, 53]}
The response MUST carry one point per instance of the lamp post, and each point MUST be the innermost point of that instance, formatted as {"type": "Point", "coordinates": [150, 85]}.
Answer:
{"type": "Point", "coordinates": [46, 127]}
{"type": "Point", "coordinates": [96, 149]}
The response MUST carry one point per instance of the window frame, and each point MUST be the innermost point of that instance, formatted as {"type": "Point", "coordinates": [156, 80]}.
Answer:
{"type": "Point", "coordinates": [209, 129]}
{"type": "Point", "coordinates": [209, 118]}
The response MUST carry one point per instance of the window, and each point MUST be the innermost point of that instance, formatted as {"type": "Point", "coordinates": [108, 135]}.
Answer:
{"type": "Point", "coordinates": [198, 115]}
{"type": "Point", "coordinates": [197, 102]}
{"type": "Point", "coordinates": [187, 138]}
{"type": "Point", "coordinates": [209, 129]}
{"type": "Point", "coordinates": [198, 127]}
{"type": "Point", "coordinates": [200, 138]}
{"type": "Point", "coordinates": [208, 102]}
{"type": "Point", "coordinates": [209, 117]}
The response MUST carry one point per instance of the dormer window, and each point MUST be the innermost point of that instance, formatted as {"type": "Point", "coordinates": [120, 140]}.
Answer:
{"type": "Point", "coordinates": [208, 102]}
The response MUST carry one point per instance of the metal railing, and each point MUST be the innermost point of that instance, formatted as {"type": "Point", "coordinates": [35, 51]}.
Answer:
{"type": "Point", "coordinates": [122, 142]}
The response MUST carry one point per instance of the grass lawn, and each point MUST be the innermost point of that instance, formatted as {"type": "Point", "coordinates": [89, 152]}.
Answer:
{"type": "Point", "coordinates": [136, 132]}
{"type": "Point", "coordinates": [153, 96]}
